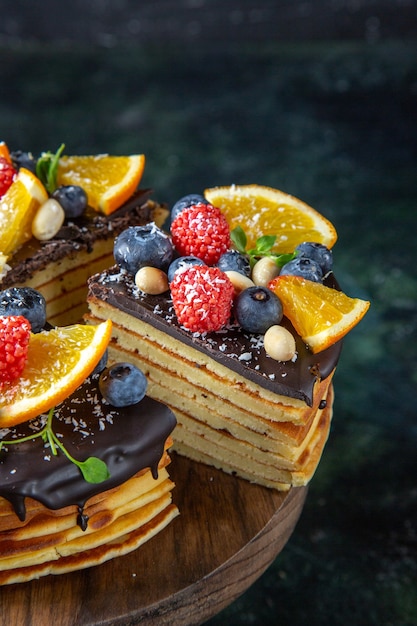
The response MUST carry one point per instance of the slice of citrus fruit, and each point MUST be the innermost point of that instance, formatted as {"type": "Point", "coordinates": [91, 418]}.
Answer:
{"type": "Point", "coordinates": [107, 180]}
{"type": "Point", "coordinates": [320, 315]}
{"type": "Point", "coordinates": [17, 209]}
{"type": "Point", "coordinates": [262, 211]}
{"type": "Point", "coordinates": [58, 362]}
{"type": "Point", "coordinates": [4, 151]}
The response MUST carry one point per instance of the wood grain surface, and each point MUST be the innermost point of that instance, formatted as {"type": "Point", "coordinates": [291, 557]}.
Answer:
{"type": "Point", "coordinates": [227, 534]}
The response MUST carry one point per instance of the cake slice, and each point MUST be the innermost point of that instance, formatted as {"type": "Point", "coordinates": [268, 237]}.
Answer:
{"type": "Point", "coordinates": [86, 479]}
{"type": "Point", "coordinates": [58, 266]}
{"type": "Point", "coordinates": [250, 409]}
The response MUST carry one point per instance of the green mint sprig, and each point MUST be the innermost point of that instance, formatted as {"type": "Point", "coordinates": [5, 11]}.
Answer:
{"type": "Point", "coordinates": [94, 470]}
{"type": "Point", "coordinates": [263, 247]}
{"type": "Point", "coordinates": [47, 168]}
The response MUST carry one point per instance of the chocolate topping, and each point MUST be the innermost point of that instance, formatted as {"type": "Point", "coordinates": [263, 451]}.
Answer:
{"type": "Point", "coordinates": [127, 439]}
{"type": "Point", "coordinates": [239, 351]}
{"type": "Point", "coordinates": [77, 235]}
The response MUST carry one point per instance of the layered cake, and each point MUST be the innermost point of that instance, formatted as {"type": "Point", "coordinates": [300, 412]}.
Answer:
{"type": "Point", "coordinates": [251, 388]}
{"type": "Point", "coordinates": [86, 480]}
{"type": "Point", "coordinates": [77, 241]}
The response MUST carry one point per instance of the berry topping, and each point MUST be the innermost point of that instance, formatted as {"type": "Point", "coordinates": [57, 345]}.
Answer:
{"type": "Point", "coordinates": [202, 297]}
{"type": "Point", "coordinates": [23, 159]}
{"type": "Point", "coordinates": [306, 268]}
{"type": "Point", "coordinates": [257, 308]}
{"type": "Point", "coordinates": [140, 246]}
{"type": "Point", "coordinates": [14, 342]}
{"type": "Point", "coordinates": [123, 384]}
{"type": "Point", "coordinates": [7, 174]}
{"type": "Point", "coordinates": [234, 261]}
{"type": "Point", "coordinates": [201, 230]}
{"type": "Point", "coordinates": [27, 302]}
{"type": "Point", "coordinates": [182, 263]}
{"type": "Point", "coordinates": [72, 198]}
{"type": "Point", "coordinates": [185, 202]}
{"type": "Point", "coordinates": [316, 252]}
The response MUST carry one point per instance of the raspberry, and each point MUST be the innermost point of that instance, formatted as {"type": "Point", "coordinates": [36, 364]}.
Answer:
{"type": "Point", "coordinates": [7, 174]}
{"type": "Point", "coordinates": [201, 230]}
{"type": "Point", "coordinates": [202, 298]}
{"type": "Point", "coordinates": [14, 341]}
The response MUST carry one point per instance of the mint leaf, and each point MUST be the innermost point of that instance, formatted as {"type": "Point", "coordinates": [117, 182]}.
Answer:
{"type": "Point", "coordinates": [238, 237]}
{"type": "Point", "coordinates": [94, 470]}
{"type": "Point", "coordinates": [47, 168]}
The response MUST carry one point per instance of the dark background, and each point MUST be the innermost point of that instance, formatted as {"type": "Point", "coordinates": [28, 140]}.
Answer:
{"type": "Point", "coordinates": [318, 99]}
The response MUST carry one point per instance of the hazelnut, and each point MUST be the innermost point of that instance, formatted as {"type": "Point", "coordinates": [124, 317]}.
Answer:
{"type": "Point", "coordinates": [239, 281]}
{"type": "Point", "coordinates": [279, 343]}
{"type": "Point", "coordinates": [151, 280]}
{"type": "Point", "coordinates": [48, 220]}
{"type": "Point", "coordinates": [264, 271]}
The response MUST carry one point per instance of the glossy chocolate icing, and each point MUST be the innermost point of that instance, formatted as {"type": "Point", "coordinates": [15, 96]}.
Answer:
{"type": "Point", "coordinates": [239, 351]}
{"type": "Point", "coordinates": [127, 439]}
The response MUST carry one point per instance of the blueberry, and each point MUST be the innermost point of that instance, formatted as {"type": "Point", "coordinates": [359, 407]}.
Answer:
{"type": "Point", "coordinates": [234, 261]}
{"type": "Point", "coordinates": [186, 201]}
{"type": "Point", "coordinates": [257, 308]}
{"type": "Point", "coordinates": [27, 302]}
{"type": "Point", "coordinates": [307, 268]}
{"type": "Point", "coordinates": [72, 198]}
{"type": "Point", "coordinates": [23, 159]}
{"type": "Point", "coordinates": [316, 252]}
{"type": "Point", "coordinates": [122, 384]}
{"type": "Point", "coordinates": [140, 246]}
{"type": "Point", "coordinates": [182, 262]}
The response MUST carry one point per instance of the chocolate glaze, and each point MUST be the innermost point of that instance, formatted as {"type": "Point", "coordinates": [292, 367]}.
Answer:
{"type": "Point", "coordinates": [78, 235]}
{"type": "Point", "coordinates": [239, 351]}
{"type": "Point", "coordinates": [127, 439]}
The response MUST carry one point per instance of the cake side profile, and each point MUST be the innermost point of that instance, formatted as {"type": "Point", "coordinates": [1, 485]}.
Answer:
{"type": "Point", "coordinates": [83, 449]}
{"type": "Point", "coordinates": [73, 238]}
{"type": "Point", "coordinates": [252, 405]}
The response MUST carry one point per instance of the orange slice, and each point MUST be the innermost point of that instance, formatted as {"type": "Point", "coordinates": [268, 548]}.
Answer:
{"type": "Point", "coordinates": [58, 362]}
{"type": "Point", "coordinates": [107, 180]}
{"type": "Point", "coordinates": [4, 151]}
{"type": "Point", "coordinates": [262, 210]}
{"type": "Point", "coordinates": [17, 209]}
{"type": "Point", "coordinates": [320, 315]}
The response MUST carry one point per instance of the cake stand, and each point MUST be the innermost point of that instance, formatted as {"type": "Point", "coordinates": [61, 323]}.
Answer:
{"type": "Point", "coordinates": [228, 532]}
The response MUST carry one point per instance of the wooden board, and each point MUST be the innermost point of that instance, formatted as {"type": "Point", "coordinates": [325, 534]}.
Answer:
{"type": "Point", "coordinates": [227, 534]}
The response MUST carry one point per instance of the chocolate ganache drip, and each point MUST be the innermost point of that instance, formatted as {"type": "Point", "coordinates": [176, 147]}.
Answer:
{"type": "Point", "coordinates": [127, 439]}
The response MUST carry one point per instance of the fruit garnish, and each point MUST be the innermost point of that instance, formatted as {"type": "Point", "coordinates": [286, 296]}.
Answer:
{"type": "Point", "coordinates": [202, 297]}
{"type": "Point", "coordinates": [94, 470]}
{"type": "Point", "coordinates": [17, 210]}
{"type": "Point", "coordinates": [123, 384]}
{"type": "Point", "coordinates": [321, 315]}
{"type": "Point", "coordinates": [264, 211]}
{"type": "Point", "coordinates": [201, 230]}
{"type": "Point", "coordinates": [4, 151]}
{"type": "Point", "coordinates": [107, 180]}
{"type": "Point", "coordinates": [58, 362]}
{"type": "Point", "coordinates": [14, 341]}
{"type": "Point", "coordinates": [7, 174]}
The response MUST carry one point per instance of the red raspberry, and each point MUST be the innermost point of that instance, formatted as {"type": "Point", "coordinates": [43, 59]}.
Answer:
{"type": "Point", "coordinates": [202, 298]}
{"type": "Point", "coordinates": [14, 341]}
{"type": "Point", "coordinates": [201, 230]}
{"type": "Point", "coordinates": [7, 174]}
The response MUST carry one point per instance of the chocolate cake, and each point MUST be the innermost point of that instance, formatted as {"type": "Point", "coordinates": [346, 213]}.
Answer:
{"type": "Point", "coordinates": [237, 409]}
{"type": "Point", "coordinates": [51, 519]}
